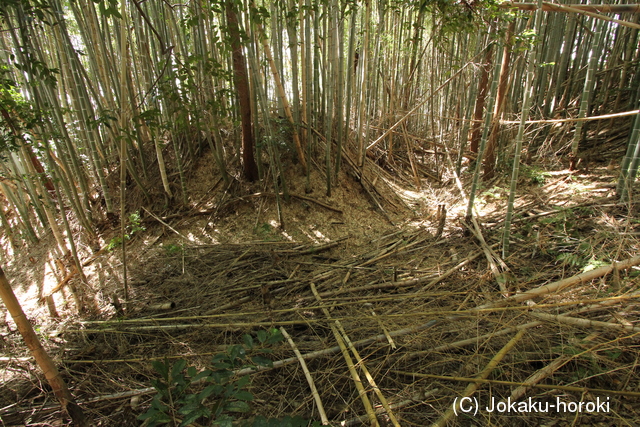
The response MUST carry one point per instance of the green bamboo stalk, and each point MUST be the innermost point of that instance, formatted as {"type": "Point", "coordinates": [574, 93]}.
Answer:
{"type": "Point", "coordinates": [631, 160]}
{"type": "Point", "coordinates": [309, 98]}
{"type": "Point", "coordinates": [589, 83]}
{"type": "Point", "coordinates": [23, 213]}
{"type": "Point", "coordinates": [20, 175]}
{"type": "Point", "coordinates": [524, 116]}
{"type": "Point", "coordinates": [47, 203]}
{"type": "Point", "coordinates": [565, 57]}
{"type": "Point", "coordinates": [124, 122]}
{"type": "Point", "coordinates": [489, 105]}
{"type": "Point", "coordinates": [340, 91]}
{"type": "Point", "coordinates": [363, 63]}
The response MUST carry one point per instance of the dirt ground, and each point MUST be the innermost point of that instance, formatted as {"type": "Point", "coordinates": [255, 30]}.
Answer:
{"type": "Point", "coordinates": [408, 284]}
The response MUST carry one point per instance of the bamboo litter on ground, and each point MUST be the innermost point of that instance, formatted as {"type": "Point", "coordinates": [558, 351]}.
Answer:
{"type": "Point", "coordinates": [420, 316]}
{"type": "Point", "coordinates": [223, 291]}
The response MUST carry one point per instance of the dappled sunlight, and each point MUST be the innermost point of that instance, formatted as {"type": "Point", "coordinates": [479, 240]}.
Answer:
{"type": "Point", "coordinates": [319, 236]}
{"type": "Point", "coordinates": [195, 239]}
{"type": "Point", "coordinates": [8, 254]}
{"type": "Point", "coordinates": [223, 178]}
{"type": "Point", "coordinates": [309, 235]}
{"type": "Point", "coordinates": [287, 236]}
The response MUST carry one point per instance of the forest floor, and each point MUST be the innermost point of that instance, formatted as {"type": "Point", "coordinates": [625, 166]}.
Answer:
{"type": "Point", "coordinates": [425, 312]}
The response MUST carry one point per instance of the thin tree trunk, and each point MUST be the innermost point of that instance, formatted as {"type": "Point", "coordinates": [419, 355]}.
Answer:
{"type": "Point", "coordinates": [242, 86]}
{"type": "Point", "coordinates": [476, 130]}
{"type": "Point", "coordinates": [492, 143]}
{"type": "Point", "coordinates": [491, 96]}
{"type": "Point", "coordinates": [38, 352]}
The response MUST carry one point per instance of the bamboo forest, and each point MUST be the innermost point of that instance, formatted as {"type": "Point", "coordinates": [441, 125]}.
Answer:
{"type": "Point", "coordinates": [319, 212]}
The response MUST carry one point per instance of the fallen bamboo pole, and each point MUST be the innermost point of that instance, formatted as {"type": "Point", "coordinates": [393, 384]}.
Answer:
{"type": "Point", "coordinates": [603, 8]}
{"type": "Point", "coordinates": [474, 385]}
{"type": "Point", "coordinates": [575, 119]}
{"type": "Point", "coordinates": [600, 391]}
{"type": "Point", "coordinates": [562, 284]}
{"type": "Point", "coordinates": [307, 374]}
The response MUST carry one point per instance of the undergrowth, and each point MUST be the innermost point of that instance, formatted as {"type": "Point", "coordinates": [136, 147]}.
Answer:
{"type": "Point", "coordinates": [186, 395]}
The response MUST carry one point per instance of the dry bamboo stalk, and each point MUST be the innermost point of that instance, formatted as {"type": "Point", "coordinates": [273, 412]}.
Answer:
{"type": "Point", "coordinates": [352, 370]}
{"type": "Point", "coordinates": [384, 330]}
{"type": "Point", "coordinates": [562, 284]}
{"type": "Point", "coordinates": [295, 196]}
{"type": "Point", "coordinates": [470, 341]}
{"type": "Point", "coordinates": [513, 383]}
{"type": "Point", "coordinates": [392, 251]}
{"type": "Point", "coordinates": [68, 277]}
{"type": "Point", "coordinates": [419, 105]}
{"type": "Point", "coordinates": [282, 94]}
{"type": "Point", "coordinates": [42, 358]}
{"type": "Point", "coordinates": [608, 302]}
{"type": "Point", "coordinates": [355, 265]}
{"type": "Point", "coordinates": [563, 8]}
{"type": "Point", "coordinates": [471, 388]}
{"type": "Point", "coordinates": [491, 256]}
{"type": "Point", "coordinates": [367, 374]}
{"type": "Point", "coordinates": [570, 120]}
{"type": "Point", "coordinates": [379, 410]}
{"type": "Point", "coordinates": [410, 155]}
{"type": "Point", "coordinates": [165, 224]}
{"type": "Point", "coordinates": [602, 8]}
{"type": "Point", "coordinates": [362, 178]}
{"type": "Point", "coordinates": [449, 315]}
{"type": "Point", "coordinates": [539, 376]}
{"type": "Point", "coordinates": [584, 322]}
{"type": "Point", "coordinates": [319, 248]}
{"type": "Point", "coordinates": [433, 282]}
{"type": "Point", "coordinates": [278, 363]}
{"type": "Point", "coordinates": [307, 374]}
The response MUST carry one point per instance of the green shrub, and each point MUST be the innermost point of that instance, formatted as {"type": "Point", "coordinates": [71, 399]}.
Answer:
{"type": "Point", "coordinates": [186, 394]}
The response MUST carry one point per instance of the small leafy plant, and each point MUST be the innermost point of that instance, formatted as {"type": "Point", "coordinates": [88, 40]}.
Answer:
{"type": "Point", "coordinates": [174, 249]}
{"type": "Point", "coordinates": [134, 226]}
{"type": "Point", "coordinates": [186, 394]}
{"type": "Point", "coordinates": [535, 175]}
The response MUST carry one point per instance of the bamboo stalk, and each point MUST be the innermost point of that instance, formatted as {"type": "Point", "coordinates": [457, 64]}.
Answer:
{"type": "Point", "coordinates": [563, 284]}
{"type": "Point", "coordinates": [601, 391]}
{"type": "Point", "coordinates": [585, 323]}
{"type": "Point", "coordinates": [604, 8]}
{"type": "Point", "coordinates": [365, 370]}
{"type": "Point", "coordinates": [471, 388]}
{"type": "Point", "coordinates": [538, 376]}
{"type": "Point", "coordinates": [281, 93]}
{"type": "Point", "coordinates": [307, 374]}
{"type": "Point", "coordinates": [572, 8]}
{"type": "Point", "coordinates": [418, 106]}
{"type": "Point", "coordinates": [352, 370]}
{"type": "Point", "coordinates": [470, 341]}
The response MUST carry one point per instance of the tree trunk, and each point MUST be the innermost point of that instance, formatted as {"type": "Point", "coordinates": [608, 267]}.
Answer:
{"type": "Point", "coordinates": [476, 132]}
{"type": "Point", "coordinates": [490, 156]}
{"type": "Point", "coordinates": [241, 82]}
{"type": "Point", "coordinates": [39, 354]}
